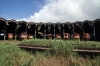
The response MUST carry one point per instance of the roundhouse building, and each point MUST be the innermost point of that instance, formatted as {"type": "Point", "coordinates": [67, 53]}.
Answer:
{"type": "Point", "coordinates": [42, 30]}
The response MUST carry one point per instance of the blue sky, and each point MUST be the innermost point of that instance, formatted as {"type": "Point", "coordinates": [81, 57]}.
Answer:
{"type": "Point", "coordinates": [50, 10]}
{"type": "Point", "coordinates": [17, 9]}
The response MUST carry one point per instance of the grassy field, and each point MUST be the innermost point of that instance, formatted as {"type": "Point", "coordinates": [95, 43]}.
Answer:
{"type": "Point", "coordinates": [11, 55]}
{"type": "Point", "coordinates": [53, 43]}
{"type": "Point", "coordinates": [9, 42]}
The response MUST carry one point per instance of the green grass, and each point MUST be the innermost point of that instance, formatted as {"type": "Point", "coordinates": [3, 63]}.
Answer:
{"type": "Point", "coordinates": [61, 55]}
{"type": "Point", "coordinates": [10, 41]}
{"type": "Point", "coordinates": [11, 55]}
{"type": "Point", "coordinates": [59, 47]}
{"type": "Point", "coordinates": [51, 43]}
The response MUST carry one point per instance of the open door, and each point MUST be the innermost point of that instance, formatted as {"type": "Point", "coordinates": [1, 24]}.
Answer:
{"type": "Point", "coordinates": [50, 30]}
{"type": "Point", "coordinates": [31, 30]}
{"type": "Point", "coordinates": [89, 28]}
{"type": "Point", "coordinates": [40, 30]}
{"type": "Point", "coordinates": [10, 28]}
{"type": "Point", "coordinates": [21, 28]}
{"type": "Point", "coordinates": [59, 30]}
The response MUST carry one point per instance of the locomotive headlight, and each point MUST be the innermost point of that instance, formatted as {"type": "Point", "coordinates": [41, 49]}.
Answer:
{"type": "Point", "coordinates": [1, 34]}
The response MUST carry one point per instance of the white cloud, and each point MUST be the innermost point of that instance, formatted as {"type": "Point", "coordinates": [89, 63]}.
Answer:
{"type": "Point", "coordinates": [67, 10]}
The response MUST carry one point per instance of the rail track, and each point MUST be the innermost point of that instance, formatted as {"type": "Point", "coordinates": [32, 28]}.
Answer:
{"type": "Point", "coordinates": [95, 50]}
{"type": "Point", "coordinates": [84, 52]}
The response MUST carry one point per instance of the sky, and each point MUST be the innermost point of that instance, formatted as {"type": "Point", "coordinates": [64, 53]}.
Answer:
{"type": "Point", "coordinates": [50, 10]}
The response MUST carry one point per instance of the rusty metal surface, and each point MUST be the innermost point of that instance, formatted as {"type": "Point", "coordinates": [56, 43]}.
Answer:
{"type": "Point", "coordinates": [86, 50]}
{"type": "Point", "coordinates": [34, 47]}
{"type": "Point", "coordinates": [92, 50]}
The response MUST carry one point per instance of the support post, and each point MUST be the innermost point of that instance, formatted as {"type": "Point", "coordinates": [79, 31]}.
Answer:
{"type": "Point", "coordinates": [35, 29]}
{"type": "Point", "coordinates": [16, 31]}
{"type": "Point", "coordinates": [5, 32]}
{"type": "Point", "coordinates": [63, 32]}
{"type": "Point", "coordinates": [54, 31]}
{"type": "Point", "coordinates": [94, 33]}
{"type": "Point", "coordinates": [26, 28]}
{"type": "Point", "coordinates": [15, 34]}
{"type": "Point", "coordinates": [45, 31]}
{"type": "Point", "coordinates": [93, 30]}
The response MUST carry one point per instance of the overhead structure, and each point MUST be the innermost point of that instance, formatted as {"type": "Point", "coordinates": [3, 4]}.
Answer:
{"type": "Point", "coordinates": [11, 28]}
{"type": "Point", "coordinates": [49, 30]}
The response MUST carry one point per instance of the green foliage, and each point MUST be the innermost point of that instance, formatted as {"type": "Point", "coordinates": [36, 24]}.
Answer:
{"type": "Point", "coordinates": [11, 55]}
{"type": "Point", "coordinates": [55, 42]}
{"type": "Point", "coordinates": [61, 47]}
